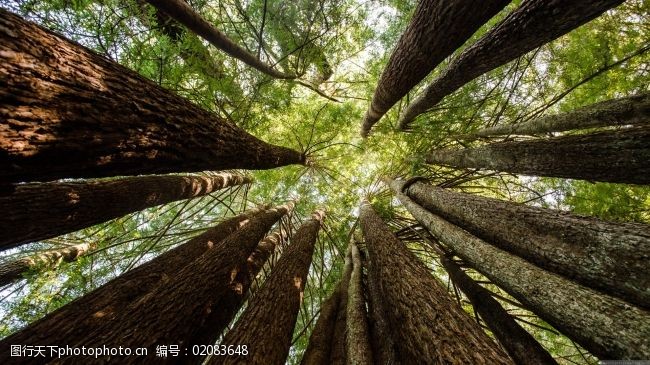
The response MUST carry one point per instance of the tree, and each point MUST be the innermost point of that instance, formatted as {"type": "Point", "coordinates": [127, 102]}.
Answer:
{"type": "Point", "coordinates": [356, 334]}
{"type": "Point", "coordinates": [338, 355]}
{"type": "Point", "coordinates": [320, 342]}
{"type": "Point", "coordinates": [45, 210]}
{"type": "Point", "coordinates": [100, 119]}
{"type": "Point", "coordinates": [428, 327]}
{"type": "Point", "coordinates": [531, 25]}
{"type": "Point", "coordinates": [436, 29]}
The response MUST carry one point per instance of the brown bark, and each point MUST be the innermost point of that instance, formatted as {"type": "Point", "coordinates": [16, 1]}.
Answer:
{"type": "Point", "coordinates": [357, 338]}
{"type": "Point", "coordinates": [68, 112]}
{"type": "Point", "coordinates": [267, 324]}
{"type": "Point", "coordinates": [608, 256]}
{"type": "Point", "coordinates": [182, 291]}
{"type": "Point", "coordinates": [338, 354]}
{"type": "Point", "coordinates": [320, 341]}
{"type": "Point", "coordinates": [605, 326]}
{"type": "Point", "coordinates": [620, 156]}
{"type": "Point", "coordinates": [14, 270]}
{"type": "Point", "coordinates": [436, 29]}
{"type": "Point", "coordinates": [44, 210]}
{"type": "Point", "coordinates": [533, 24]}
{"type": "Point", "coordinates": [428, 326]}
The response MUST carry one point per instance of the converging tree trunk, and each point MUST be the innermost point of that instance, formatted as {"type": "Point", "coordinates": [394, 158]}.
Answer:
{"type": "Point", "coordinates": [320, 342]}
{"type": "Point", "coordinates": [532, 24]}
{"type": "Point", "coordinates": [436, 29]}
{"type": "Point", "coordinates": [67, 112]}
{"type": "Point", "coordinates": [606, 326]}
{"type": "Point", "coordinates": [428, 327]}
{"type": "Point", "coordinates": [357, 333]}
{"type": "Point", "coordinates": [620, 156]}
{"type": "Point", "coordinates": [609, 256]}
{"type": "Point", "coordinates": [268, 321]}
{"type": "Point", "coordinates": [338, 355]}
{"type": "Point", "coordinates": [44, 210]}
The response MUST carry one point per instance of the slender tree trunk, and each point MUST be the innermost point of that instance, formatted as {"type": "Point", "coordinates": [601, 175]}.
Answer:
{"type": "Point", "coordinates": [267, 324]}
{"type": "Point", "coordinates": [608, 256]}
{"type": "Point", "coordinates": [44, 210]}
{"type": "Point", "coordinates": [14, 270]}
{"type": "Point", "coordinates": [620, 156]}
{"type": "Point", "coordinates": [67, 112]}
{"type": "Point", "coordinates": [606, 326]}
{"type": "Point", "coordinates": [357, 333]}
{"type": "Point", "coordinates": [181, 291]}
{"type": "Point", "coordinates": [533, 24]}
{"type": "Point", "coordinates": [320, 341]}
{"type": "Point", "coordinates": [520, 345]}
{"type": "Point", "coordinates": [630, 110]}
{"type": "Point", "coordinates": [338, 355]}
{"type": "Point", "coordinates": [436, 29]}
{"type": "Point", "coordinates": [429, 328]}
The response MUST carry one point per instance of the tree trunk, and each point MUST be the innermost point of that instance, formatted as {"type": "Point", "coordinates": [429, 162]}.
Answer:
{"type": "Point", "coordinates": [183, 13]}
{"type": "Point", "coordinates": [631, 110]}
{"type": "Point", "coordinates": [608, 256]}
{"type": "Point", "coordinates": [267, 324]}
{"type": "Point", "coordinates": [428, 327]}
{"type": "Point", "coordinates": [436, 29]}
{"type": "Point", "coordinates": [39, 211]}
{"type": "Point", "coordinates": [338, 354]}
{"type": "Point", "coordinates": [533, 24]}
{"type": "Point", "coordinates": [357, 338]}
{"type": "Point", "coordinates": [67, 112]}
{"type": "Point", "coordinates": [606, 326]}
{"type": "Point", "coordinates": [182, 291]}
{"type": "Point", "coordinates": [320, 342]}
{"type": "Point", "coordinates": [14, 270]}
{"type": "Point", "coordinates": [620, 156]}
{"type": "Point", "coordinates": [520, 345]}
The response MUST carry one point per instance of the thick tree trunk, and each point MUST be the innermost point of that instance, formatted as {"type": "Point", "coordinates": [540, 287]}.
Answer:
{"type": "Point", "coordinates": [428, 327]}
{"type": "Point", "coordinates": [436, 29]}
{"type": "Point", "coordinates": [620, 156]}
{"type": "Point", "coordinates": [606, 326]}
{"type": "Point", "coordinates": [533, 24]}
{"type": "Point", "coordinates": [320, 341]}
{"type": "Point", "coordinates": [520, 345]}
{"type": "Point", "coordinates": [608, 256]}
{"type": "Point", "coordinates": [338, 355]}
{"type": "Point", "coordinates": [182, 291]}
{"type": "Point", "coordinates": [357, 333]}
{"type": "Point", "coordinates": [14, 270]}
{"type": "Point", "coordinates": [267, 324]}
{"type": "Point", "coordinates": [67, 112]}
{"type": "Point", "coordinates": [44, 210]}
{"type": "Point", "coordinates": [631, 110]}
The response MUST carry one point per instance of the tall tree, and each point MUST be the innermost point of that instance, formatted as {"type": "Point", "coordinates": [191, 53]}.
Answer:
{"type": "Point", "coordinates": [428, 327]}
{"type": "Point", "coordinates": [320, 342]}
{"type": "Point", "coordinates": [268, 321]}
{"type": "Point", "coordinates": [606, 326]}
{"type": "Point", "coordinates": [609, 256]}
{"type": "Point", "coordinates": [39, 211]}
{"type": "Point", "coordinates": [357, 333]}
{"type": "Point", "coordinates": [338, 354]}
{"type": "Point", "coordinates": [621, 156]}
{"type": "Point", "coordinates": [436, 29]}
{"type": "Point", "coordinates": [532, 24]}
{"type": "Point", "coordinates": [67, 112]}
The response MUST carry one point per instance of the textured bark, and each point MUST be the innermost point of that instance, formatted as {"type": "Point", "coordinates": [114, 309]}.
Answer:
{"type": "Point", "coordinates": [621, 156]}
{"type": "Point", "coordinates": [267, 324]}
{"type": "Point", "coordinates": [68, 112]}
{"type": "Point", "coordinates": [183, 13]}
{"type": "Point", "coordinates": [181, 291]}
{"type": "Point", "coordinates": [533, 24]}
{"type": "Point", "coordinates": [320, 341]}
{"type": "Point", "coordinates": [520, 345]}
{"type": "Point", "coordinates": [357, 334]}
{"type": "Point", "coordinates": [44, 210]}
{"type": "Point", "coordinates": [631, 110]}
{"type": "Point", "coordinates": [436, 29]}
{"type": "Point", "coordinates": [14, 270]}
{"type": "Point", "coordinates": [608, 256]}
{"type": "Point", "coordinates": [428, 326]}
{"type": "Point", "coordinates": [606, 326]}
{"type": "Point", "coordinates": [338, 354]}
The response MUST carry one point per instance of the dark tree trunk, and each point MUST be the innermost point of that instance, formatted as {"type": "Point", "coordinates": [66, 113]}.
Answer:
{"type": "Point", "coordinates": [533, 24]}
{"type": "Point", "coordinates": [39, 211]}
{"type": "Point", "coordinates": [520, 345]}
{"type": "Point", "coordinates": [320, 341]}
{"type": "Point", "coordinates": [267, 324]}
{"type": "Point", "coordinates": [183, 286]}
{"type": "Point", "coordinates": [428, 326]}
{"type": "Point", "coordinates": [606, 326]}
{"type": "Point", "coordinates": [338, 355]}
{"type": "Point", "coordinates": [436, 29]}
{"type": "Point", "coordinates": [67, 112]}
{"type": "Point", "coordinates": [608, 256]}
{"type": "Point", "coordinates": [620, 156]}
{"type": "Point", "coordinates": [357, 334]}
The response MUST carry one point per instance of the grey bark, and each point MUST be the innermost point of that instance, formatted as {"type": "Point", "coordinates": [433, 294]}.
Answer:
{"type": "Point", "coordinates": [357, 338]}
